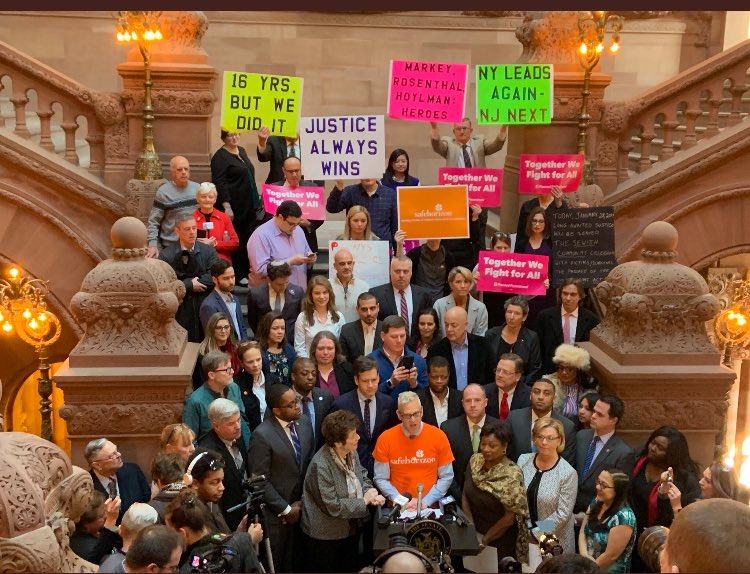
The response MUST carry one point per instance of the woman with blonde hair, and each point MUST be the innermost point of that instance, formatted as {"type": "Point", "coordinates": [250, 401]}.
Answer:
{"type": "Point", "coordinates": [571, 379]}
{"type": "Point", "coordinates": [551, 483]}
{"type": "Point", "coordinates": [459, 282]}
{"type": "Point", "coordinates": [358, 226]}
{"type": "Point", "coordinates": [177, 438]}
{"type": "Point", "coordinates": [318, 314]}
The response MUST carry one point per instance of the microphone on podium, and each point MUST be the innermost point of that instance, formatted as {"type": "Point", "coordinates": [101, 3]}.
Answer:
{"type": "Point", "coordinates": [420, 489]}
{"type": "Point", "coordinates": [399, 503]}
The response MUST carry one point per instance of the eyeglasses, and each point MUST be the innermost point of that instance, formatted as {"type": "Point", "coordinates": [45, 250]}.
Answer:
{"type": "Point", "coordinates": [222, 327]}
{"type": "Point", "coordinates": [291, 405]}
{"type": "Point", "coordinates": [500, 235]}
{"type": "Point", "coordinates": [565, 368]}
{"type": "Point", "coordinates": [409, 416]}
{"type": "Point", "coordinates": [291, 224]}
{"type": "Point", "coordinates": [504, 372]}
{"type": "Point", "coordinates": [112, 456]}
{"type": "Point", "coordinates": [601, 484]}
{"type": "Point", "coordinates": [537, 221]}
{"type": "Point", "coordinates": [546, 439]}
{"type": "Point", "coordinates": [227, 370]}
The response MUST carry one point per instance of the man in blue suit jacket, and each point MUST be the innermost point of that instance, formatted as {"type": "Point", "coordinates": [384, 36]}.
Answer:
{"type": "Point", "coordinates": [112, 476]}
{"type": "Point", "coordinates": [382, 412]}
{"type": "Point", "coordinates": [221, 300]}
{"type": "Point", "coordinates": [395, 379]}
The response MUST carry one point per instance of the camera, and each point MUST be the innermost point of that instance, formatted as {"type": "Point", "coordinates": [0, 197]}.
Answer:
{"type": "Point", "coordinates": [400, 542]}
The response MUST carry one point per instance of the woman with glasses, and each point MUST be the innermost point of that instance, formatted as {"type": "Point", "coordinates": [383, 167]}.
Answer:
{"type": "Point", "coordinates": [607, 533]}
{"type": "Point", "coordinates": [318, 314]}
{"type": "Point", "coordinates": [337, 498]}
{"type": "Point", "coordinates": [494, 495]}
{"type": "Point", "coordinates": [664, 481]}
{"type": "Point", "coordinates": [278, 355]}
{"type": "Point", "coordinates": [551, 485]}
{"type": "Point", "coordinates": [513, 337]}
{"type": "Point", "coordinates": [219, 337]}
{"type": "Point", "coordinates": [571, 378]}
{"type": "Point", "coordinates": [553, 200]}
{"type": "Point", "coordinates": [214, 227]}
{"type": "Point", "coordinates": [499, 242]}
{"type": "Point", "coordinates": [234, 177]}
{"type": "Point", "coordinates": [187, 515]}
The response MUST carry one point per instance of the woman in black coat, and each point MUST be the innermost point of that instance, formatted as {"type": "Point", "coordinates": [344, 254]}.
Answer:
{"type": "Point", "coordinates": [513, 337]}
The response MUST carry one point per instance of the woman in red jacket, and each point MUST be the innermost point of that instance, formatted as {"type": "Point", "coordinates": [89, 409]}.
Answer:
{"type": "Point", "coordinates": [214, 226]}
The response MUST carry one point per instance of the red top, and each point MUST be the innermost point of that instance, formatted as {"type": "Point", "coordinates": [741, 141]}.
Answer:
{"type": "Point", "coordinates": [221, 223]}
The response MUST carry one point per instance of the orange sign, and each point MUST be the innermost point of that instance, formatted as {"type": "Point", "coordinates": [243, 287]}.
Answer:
{"type": "Point", "coordinates": [434, 212]}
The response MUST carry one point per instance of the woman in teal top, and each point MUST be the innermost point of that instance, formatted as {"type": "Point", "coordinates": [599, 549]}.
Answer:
{"type": "Point", "coordinates": [607, 534]}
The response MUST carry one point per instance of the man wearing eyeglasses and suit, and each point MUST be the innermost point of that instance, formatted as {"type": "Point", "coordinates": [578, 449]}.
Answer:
{"type": "Point", "coordinates": [114, 477]}
{"type": "Point", "coordinates": [281, 449]}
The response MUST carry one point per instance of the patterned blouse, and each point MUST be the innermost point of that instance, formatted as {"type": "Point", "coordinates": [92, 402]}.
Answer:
{"type": "Point", "coordinates": [597, 536]}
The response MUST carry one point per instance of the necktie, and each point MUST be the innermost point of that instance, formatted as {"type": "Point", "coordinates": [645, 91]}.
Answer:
{"type": "Point", "coordinates": [475, 438]}
{"type": "Point", "coordinates": [295, 442]}
{"type": "Point", "coordinates": [590, 454]}
{"type": "Point", "coordinates": [566, 329]}
{"type": "Point", "coordinates": [112, 487]}
{"type": "Point", "coordinates": [368, 429]}
{"type": "Point", "coordinates": [277, 303]}
{"type": "Point", "coordinates": [467, 157]}
{"type": "Point", "coordinates": [404, 309]}
{"type": "Point", "coordinates": [236, 455]}
{"type": "Point", "coordinates": [504, 408]}
{"type": "Point", "coordinates": [306, 406]}
{"type": "Point", "coordinates": [292, 151]}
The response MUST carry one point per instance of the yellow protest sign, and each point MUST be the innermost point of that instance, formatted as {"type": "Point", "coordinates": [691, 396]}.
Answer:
{"type": "Point", "coordinates": [249, 101]}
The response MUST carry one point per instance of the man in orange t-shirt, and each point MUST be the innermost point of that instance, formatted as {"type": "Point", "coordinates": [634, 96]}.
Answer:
{"type": "Point", "coordinates": [413, 453]}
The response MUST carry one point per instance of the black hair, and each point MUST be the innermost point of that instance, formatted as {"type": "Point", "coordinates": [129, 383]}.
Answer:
{"type": "Point", "coordinates": [274, 394]}
{"type": "Point", "coordinates": [678, 452]}
{"type": "Point", "coordinates": [363, 364]}
{"type": "Point", "coordinates": [500, 430]}
{"type": "Point", "coordinates": [616, 406]}
{"type": "Point", "coordinates": [153, 544]}
{"type": "Point", "coordinates": [219, 267]}
{"type": "Point", "coordinates": [289, 208]}
{"type": "Point", "coordinates": [389, 173]}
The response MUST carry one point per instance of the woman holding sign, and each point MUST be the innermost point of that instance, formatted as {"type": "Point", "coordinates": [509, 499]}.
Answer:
{"type": "Point", "coordinates": [494, 302]}
{"type": "Point", "coordinates": [538, 243]}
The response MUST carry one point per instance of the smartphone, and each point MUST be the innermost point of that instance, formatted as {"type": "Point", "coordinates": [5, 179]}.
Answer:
{"type": "Point", "coordinates": [670, 475]}
{"type": "Point", "coordinates": [202, 234]}
{"type": "Point", "coordinates": [406, 362]}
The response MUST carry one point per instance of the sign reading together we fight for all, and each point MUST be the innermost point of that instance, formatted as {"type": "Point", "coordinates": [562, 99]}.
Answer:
{"type": "Point", "coordinates": [427, 91]}
{"type": "Point", "coordinates": [538, 173]}
{"type": "Point", "coordinates": [338, 147]}
{"type": "Point", "coordinates": [250, 101]}
{"type": "Point", "coordinates": [485, 185]}
{"type": "Point", "coordinates": [312, 200]}
{"type": "Point", "coordinates": [434, 212]}
{"type": "Point", "coordinates": [512, 273]}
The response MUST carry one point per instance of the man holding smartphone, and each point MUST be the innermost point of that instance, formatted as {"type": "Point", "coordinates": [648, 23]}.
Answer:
{"type": "Point", "coordinates": [400, 369]}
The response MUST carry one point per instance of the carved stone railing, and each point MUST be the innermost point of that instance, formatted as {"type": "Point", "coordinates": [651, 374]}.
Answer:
{"type": "Point", "coordinates": [670, 112]}
{"type": "Point", "coordinates": [107, 130]}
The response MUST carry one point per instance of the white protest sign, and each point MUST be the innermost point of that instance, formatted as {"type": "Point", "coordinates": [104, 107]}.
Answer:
{"type": "Point", "coordinates": [371, 260]}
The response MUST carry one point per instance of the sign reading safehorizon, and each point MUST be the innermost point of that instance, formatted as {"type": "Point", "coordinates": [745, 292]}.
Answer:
{"type": "Point", "coordinates": [434, 212]}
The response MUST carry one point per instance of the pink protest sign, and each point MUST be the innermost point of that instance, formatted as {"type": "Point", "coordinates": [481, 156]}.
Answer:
{"type": "Point", "coordinates": [485, 185]}
{"type": "Point", "coordinates": [312, 200]}
{"type": "Point", "coordinates": [539, 172]}
{"type": "Point", "coordinates": [512, 273]}
{"type": "Point", "coordinates": [427, 91]}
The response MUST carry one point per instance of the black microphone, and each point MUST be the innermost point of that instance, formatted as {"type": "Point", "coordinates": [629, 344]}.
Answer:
{"type": "Point", "coordinates": [449, 506]}
{"type": "Point", "coordinates": [399, 503]}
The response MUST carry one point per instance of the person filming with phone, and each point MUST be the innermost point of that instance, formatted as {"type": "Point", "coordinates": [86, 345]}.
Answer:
{"type": "Point", "coordinates": [400, 368]}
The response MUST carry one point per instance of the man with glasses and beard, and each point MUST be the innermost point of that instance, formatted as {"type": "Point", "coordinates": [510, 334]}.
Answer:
{"type": "Point", "coordinates": [281, 449]}
{"type": "Point", "coordinates": [114, 477]}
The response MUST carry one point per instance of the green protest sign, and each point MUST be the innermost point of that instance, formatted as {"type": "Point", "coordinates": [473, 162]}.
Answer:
{"type": "Point", "coordinates": [514, 94]}
{"type": "Point", "coordinates": [249, 101]}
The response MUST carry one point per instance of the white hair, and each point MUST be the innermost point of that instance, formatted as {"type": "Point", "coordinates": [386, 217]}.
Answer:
{"type": "Point", "coordinates": [138, 516]}
{"type": "Point", "coordinates": [206, 187]}
{"type": "Point", "coordinates": [408, 397]}
{"type": "Point", "coordinates": [222, 409]}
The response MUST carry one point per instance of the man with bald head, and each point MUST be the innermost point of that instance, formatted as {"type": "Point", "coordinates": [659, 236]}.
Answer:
{"type": "Point", "coordinates": [467, 354]}
{"type": "Point", "coordinates": [292, 170]}
{"type": "Point", "coordinates": [346, 286]}
{"type": "Point", "coordinates": [708, 536]}
{"type": "Point", "coordinates": [172, 199]}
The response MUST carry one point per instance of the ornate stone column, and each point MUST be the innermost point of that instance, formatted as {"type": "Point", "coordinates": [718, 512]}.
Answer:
{"type": "Point", "coordinates": [127, 377]}
{"type": "Point", "coordinates": [183, 94]}
{"type": "Point", "coordinates": [551, 38]}
{"type": "Point", "coordinates": [652, 348]}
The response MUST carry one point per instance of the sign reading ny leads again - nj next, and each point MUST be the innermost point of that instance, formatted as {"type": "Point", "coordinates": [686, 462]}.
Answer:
{"type": "Point", "coordinates": [340, 147]}
{"type": "Point", "coordinates": [427, 91]}
{"type": "Point", "coordinates": [583, 244]}
{"type": "Point", "coordinates": [514, 94]}
{"type": "Point", "coordinates": [250, 101]}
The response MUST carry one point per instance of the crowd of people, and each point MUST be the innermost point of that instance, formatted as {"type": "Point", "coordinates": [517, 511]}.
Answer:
{"type": "Point", "coordinates": [347, 397]}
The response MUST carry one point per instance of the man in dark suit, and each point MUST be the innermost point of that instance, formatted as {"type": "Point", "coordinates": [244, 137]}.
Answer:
{"type": "Point", "coordinates": [600, 448]}
{"type": "Point", "coordinates": [281, 448]}
{"type": "Point", "coordinates": [191, 261]}
{"type": "Point", "coordinates": [223, 438]}
{"type": "Point", "coordinates": [275, 149]}
{"type": "Point", "coordinates": [439, 401]}
{"type": "Point", "coordinates": [467, 354]}
{"type": "Point", "coordinates": [221, 300]}
{"type": "Point", "coordinates": [276, 295]}
{"type": "Point", "coordinates": [316, 402]}
{"type": "Point", "coordinates": [114, 477]}
{"type": "Point", "coordinates": [521, 421]}
{"type": "Point", "coordinates": [505, 394]}
{"type": "Point", "coordinates": [463, 433]}
{"type": "Point", "coordinates": [363, 400]}
{"type": "Point", "coordinates": [551, 323]}
{"type": "Point", "coordinates": [362, 337]}
{"type": "Point", "coordinates": [399, 296]}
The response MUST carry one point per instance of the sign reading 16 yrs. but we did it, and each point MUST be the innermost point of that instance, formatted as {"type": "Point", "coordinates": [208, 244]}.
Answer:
{"type": "Point", "coordinates": [250, 101]}
{"type": "Point", "coordinates": [514, 94]}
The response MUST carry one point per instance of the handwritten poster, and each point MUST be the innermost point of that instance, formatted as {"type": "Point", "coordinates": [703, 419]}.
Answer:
{"type": "Point", "coordinates": [515, 94]}
{"type": "Point", "coordinates": [427, 91]}
{"type": "Point", "coordinates": [371, 260]}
